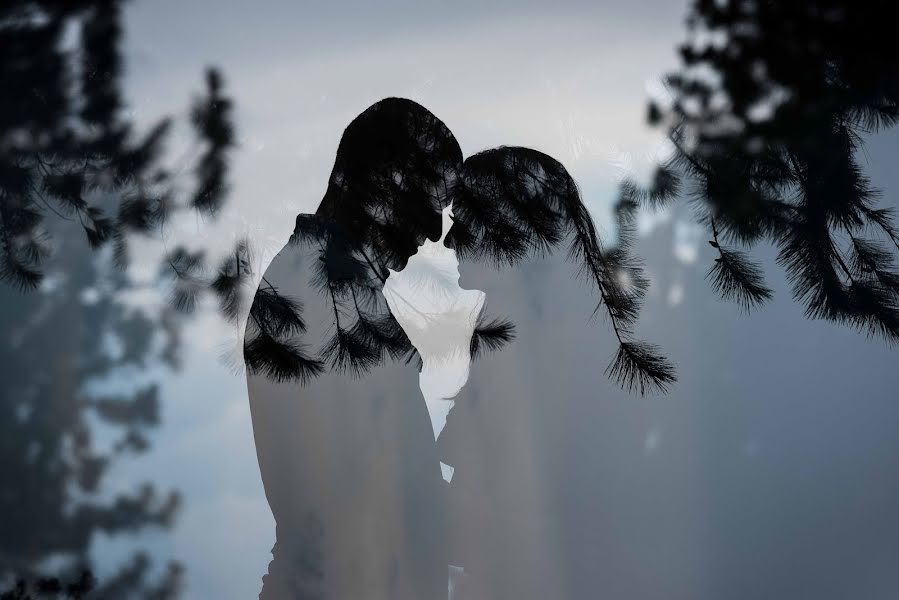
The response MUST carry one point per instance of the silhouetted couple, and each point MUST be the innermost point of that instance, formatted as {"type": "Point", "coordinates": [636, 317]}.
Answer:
{"type": "Point", "coordinates": [345, 441]}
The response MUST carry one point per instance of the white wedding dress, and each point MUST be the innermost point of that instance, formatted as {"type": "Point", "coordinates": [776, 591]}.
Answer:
{"type": "Point", "coordinates": [440, 318]}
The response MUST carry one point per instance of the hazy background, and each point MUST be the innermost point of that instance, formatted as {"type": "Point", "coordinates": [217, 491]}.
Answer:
{"type": "Point", "coordinates": [769, 471]}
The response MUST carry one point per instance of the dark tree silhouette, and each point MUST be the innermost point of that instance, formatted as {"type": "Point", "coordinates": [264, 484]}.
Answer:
{"type": "Point", "coordinates": [53, 494]}
{"type": "Point", "coordinates": [64, 144]}
{"type": "Point", "coordinates": [768, 115]}
{"type": "Point", "coordinates": [77, 183]}
{"type": "Point", "coordinates": [51, 587]}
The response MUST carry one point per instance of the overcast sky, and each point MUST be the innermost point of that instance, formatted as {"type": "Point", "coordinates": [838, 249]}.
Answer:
{"type": "Point", "coordinates": [775, 455]}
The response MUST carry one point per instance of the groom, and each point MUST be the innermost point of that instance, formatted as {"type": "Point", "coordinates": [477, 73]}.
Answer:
{"type": "Point", "coordinates": [343, 437]}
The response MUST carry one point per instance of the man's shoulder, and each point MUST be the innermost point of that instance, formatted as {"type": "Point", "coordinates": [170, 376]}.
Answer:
{"type": "Point", "coordinates": [292, 268]}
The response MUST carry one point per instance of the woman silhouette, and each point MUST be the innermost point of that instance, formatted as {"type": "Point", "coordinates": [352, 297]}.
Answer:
{"type": "Point", "coordinates": [527, 241]}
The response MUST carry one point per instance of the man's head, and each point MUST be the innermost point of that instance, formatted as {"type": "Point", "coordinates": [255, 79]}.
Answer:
{"type": "Point", "coordinates": [394, 168]}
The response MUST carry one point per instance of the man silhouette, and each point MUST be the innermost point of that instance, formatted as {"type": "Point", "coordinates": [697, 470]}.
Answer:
{"type": "Point", "coordinates": [348, 461]}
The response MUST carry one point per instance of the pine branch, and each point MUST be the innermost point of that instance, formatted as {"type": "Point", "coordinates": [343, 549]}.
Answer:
{"type": "Point", "coordinates": [640, 366]}
{"type": "Point", "coordinates": [349, 351]}
{"type": "Point", "coordinates": [735, 277]}
{"type": "Point", "coordinates": [277, 314]}
{"type": "Point", "coordinates": [490, 335]}
{"type": "Point", "coordinates": [279, 360]}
